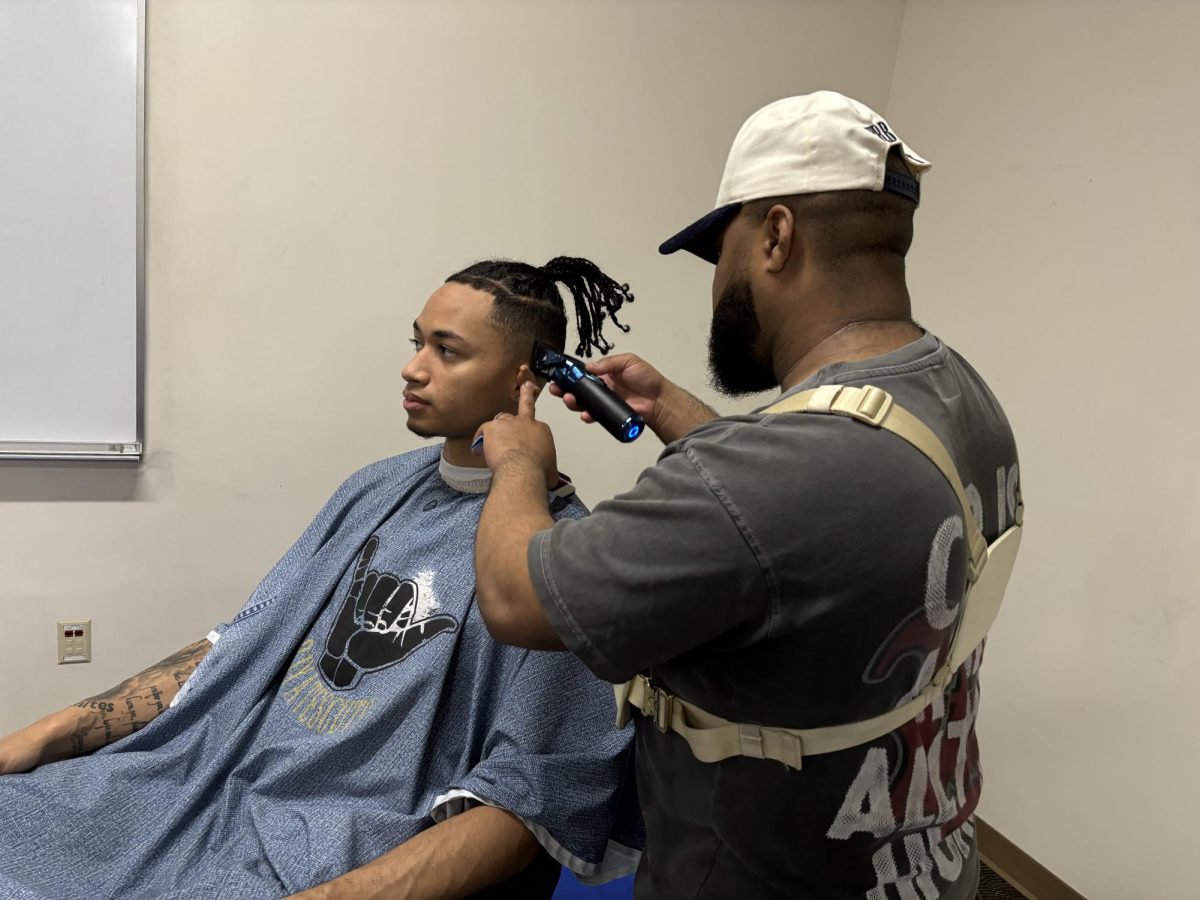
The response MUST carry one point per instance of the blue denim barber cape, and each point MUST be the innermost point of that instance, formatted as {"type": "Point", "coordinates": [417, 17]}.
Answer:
{"type": "Point", "coordinates": [355, 700]}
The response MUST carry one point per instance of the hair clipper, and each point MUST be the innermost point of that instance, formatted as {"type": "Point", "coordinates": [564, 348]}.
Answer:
{"type": "Point", "coordinates": [591, 394]}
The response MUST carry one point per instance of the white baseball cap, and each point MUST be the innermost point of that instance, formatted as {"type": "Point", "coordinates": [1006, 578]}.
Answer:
{"type": "Point", "coordinates": [823, 141]}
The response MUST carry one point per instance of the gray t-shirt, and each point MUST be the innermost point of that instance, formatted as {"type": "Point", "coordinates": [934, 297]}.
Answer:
{"type": "Point", "coordinates": [799, 570]}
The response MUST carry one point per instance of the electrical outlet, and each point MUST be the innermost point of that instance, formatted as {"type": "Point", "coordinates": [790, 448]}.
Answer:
{"type": "Point", "coordinates": [75, 641]}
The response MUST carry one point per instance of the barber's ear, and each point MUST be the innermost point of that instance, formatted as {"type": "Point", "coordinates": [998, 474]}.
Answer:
{"type": "Point", "coordinates": [779, 241]}
{"type": "Point", "coordinates": [524, 374]}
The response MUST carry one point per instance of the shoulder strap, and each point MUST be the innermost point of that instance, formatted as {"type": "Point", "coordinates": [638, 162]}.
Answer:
{"type": "Point", "coordinates": [875, 407]}
{"type": "Point", "coordinates": [712, 738]}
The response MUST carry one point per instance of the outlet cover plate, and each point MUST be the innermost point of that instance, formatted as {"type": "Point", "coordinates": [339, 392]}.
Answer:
{"type": "Point", "coordinates": [75, 641]}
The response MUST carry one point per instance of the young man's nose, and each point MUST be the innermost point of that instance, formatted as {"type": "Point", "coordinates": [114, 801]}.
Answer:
{"type": "Point", "coordinates": [414, 371]}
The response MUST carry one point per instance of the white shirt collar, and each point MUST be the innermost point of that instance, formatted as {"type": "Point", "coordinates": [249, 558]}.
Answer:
{"type": "Point", "coordinates": [466, 479]}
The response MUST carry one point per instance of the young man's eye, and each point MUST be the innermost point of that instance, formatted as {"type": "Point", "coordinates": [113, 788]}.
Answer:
{"type": "Point", "coordinates": [448, 352]}
{"type": "Point", "coordinates": [416, 345]}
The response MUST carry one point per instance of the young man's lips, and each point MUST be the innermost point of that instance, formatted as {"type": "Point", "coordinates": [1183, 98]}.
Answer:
{"type": "Point", "coordinates": [413, 403]}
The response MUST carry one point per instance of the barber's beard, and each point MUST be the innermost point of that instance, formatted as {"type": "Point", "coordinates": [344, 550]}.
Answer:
{"type": "Point", "coordinates": [732, 367]}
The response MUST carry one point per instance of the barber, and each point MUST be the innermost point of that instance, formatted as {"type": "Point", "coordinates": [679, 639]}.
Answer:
{"type": "Point", "coordinates": [781, 594]}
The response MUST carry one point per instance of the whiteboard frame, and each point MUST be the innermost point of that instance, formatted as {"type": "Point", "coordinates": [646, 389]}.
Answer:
{"type": "Point", "coordinates": [102, 451]}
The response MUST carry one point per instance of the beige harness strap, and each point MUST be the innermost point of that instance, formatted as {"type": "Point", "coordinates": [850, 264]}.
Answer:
{"type": "Point", "coordinates": [875, 407]}
{"type": "Point", "coordinates": [712, 738]}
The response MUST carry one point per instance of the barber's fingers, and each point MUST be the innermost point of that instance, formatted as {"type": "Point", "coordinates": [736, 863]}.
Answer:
{"type": "Point", "coordinates": [527, 400]}
{"type": "Point", "coordinates": [607, 365]}
{"type": "Point", "coordinates": [570, 402]}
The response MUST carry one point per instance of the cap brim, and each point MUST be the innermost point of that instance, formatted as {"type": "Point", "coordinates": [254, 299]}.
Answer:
{"type": "Point", "coordinates": [701, 236]}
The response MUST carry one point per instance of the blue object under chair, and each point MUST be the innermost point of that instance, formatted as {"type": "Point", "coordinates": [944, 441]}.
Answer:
{"type": "Point", "coordinates": [570, 889]}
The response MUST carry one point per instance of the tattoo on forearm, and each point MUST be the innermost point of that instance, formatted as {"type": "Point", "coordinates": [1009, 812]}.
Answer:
{"type": "Point", "coordinates": [133, 704]}
{"type": "Point", "coordinates": [78, 747]}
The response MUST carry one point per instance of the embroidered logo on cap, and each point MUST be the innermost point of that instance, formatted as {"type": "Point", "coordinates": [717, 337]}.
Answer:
{"type": "Point", "coordinates": [880, 130]}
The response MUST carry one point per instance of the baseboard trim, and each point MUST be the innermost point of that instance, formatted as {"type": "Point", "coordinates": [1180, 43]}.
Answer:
{"type": "Point", "coordinates": [1019, 869]}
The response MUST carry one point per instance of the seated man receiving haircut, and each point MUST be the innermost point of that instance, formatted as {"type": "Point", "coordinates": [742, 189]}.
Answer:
{"type": "Point", "coordinates": [354, 726]}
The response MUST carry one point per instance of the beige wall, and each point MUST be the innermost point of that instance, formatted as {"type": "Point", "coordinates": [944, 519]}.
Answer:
{"type": "Point", "coordinates": [316, 168]}
{"type": "Point", "coordinates": [1058, 249]}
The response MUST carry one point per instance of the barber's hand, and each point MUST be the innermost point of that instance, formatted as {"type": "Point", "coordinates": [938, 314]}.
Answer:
{"type": "Point", "coordinates": [629, 377]}
{"type": "Point", "coordinates": [666, 408]}
{"type": "Point", "coordinates": [509, 439]}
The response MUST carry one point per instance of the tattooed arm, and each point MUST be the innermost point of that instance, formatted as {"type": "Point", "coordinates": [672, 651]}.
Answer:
{"type": "Point", "coordinates": [100, 720]}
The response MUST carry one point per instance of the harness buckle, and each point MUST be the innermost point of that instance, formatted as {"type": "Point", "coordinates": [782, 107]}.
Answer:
{"type": "Point", "coordinates": [658, 706]}
{"type": "Point", "coordinates": [872, 407]}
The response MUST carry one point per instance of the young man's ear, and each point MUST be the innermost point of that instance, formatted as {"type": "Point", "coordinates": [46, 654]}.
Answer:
{"type": "Point", "coordinates": [525, 374]}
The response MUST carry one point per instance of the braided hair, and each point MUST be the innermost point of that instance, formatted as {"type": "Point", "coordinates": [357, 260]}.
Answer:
{"type": "Point", "coordinates": [527, 303]}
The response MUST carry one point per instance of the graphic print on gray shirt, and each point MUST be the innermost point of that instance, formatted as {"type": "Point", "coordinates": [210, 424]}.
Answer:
{"type": "Point", "coordinates": [799, 571]}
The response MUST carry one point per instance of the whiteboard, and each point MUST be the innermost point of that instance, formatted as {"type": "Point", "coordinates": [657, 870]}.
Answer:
{"type": "Point", "coordinates": [71, 177]}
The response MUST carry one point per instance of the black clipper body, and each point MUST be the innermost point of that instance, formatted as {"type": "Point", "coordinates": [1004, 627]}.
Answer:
{"type": "Point", "coordinates": [591, 394]}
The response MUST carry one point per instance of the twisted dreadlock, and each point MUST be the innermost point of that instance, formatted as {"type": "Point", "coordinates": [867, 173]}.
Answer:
{"type": "Point", "coordinates": [527, 303]}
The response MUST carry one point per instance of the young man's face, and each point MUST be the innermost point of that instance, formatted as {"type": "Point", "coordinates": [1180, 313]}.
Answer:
{"type": "Point", "coordinates": [464, 370]}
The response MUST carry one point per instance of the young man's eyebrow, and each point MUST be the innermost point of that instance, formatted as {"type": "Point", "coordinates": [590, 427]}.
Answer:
{"type": "Point", "coordinates": [444, 334]}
